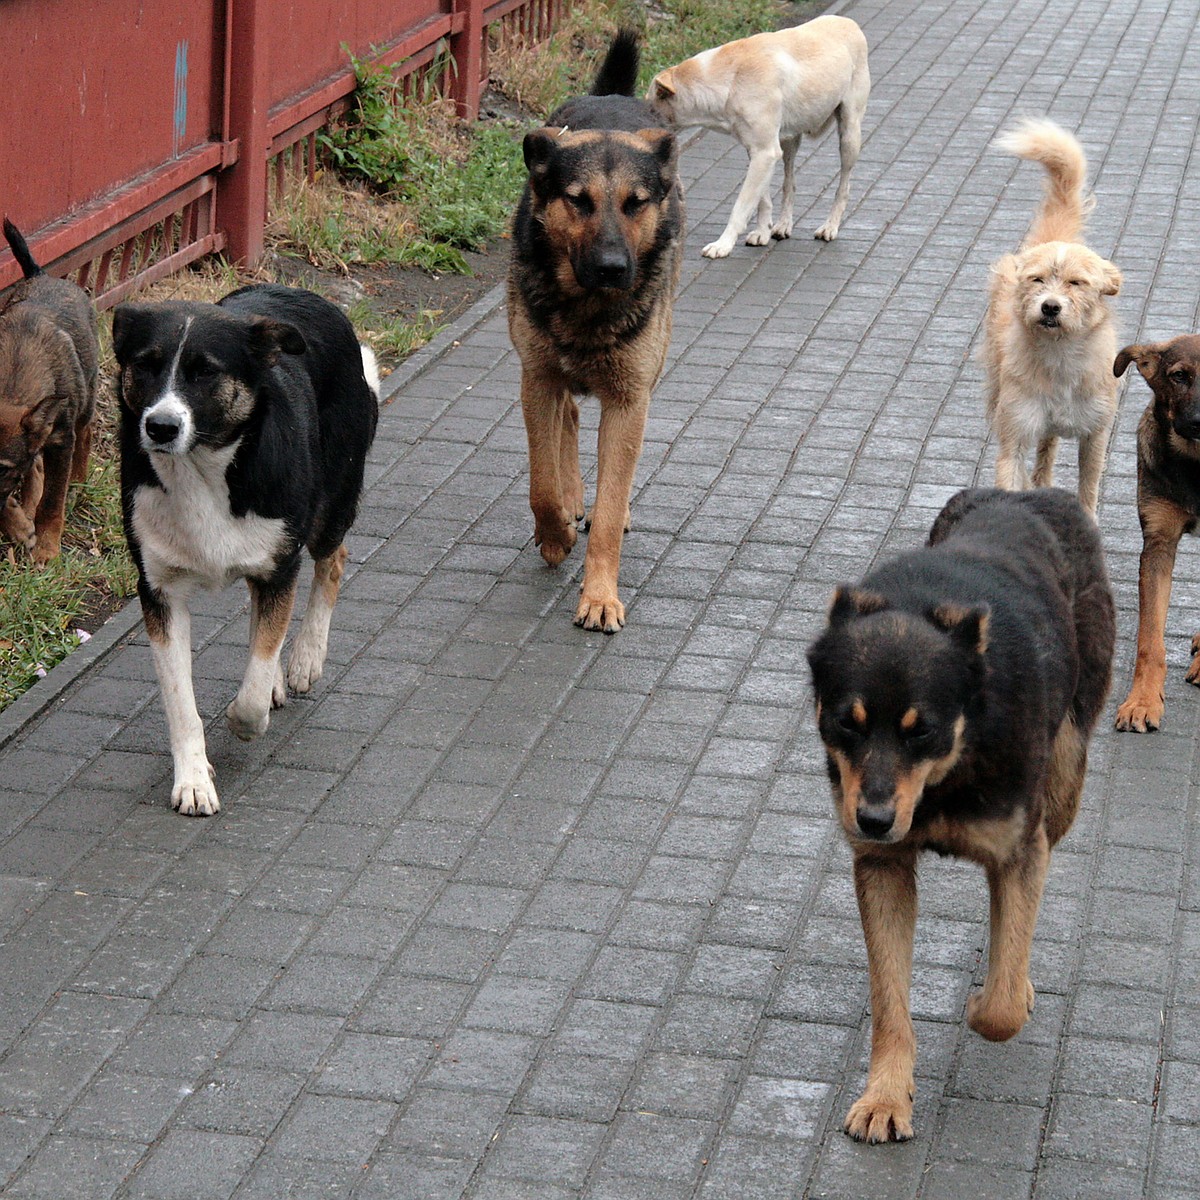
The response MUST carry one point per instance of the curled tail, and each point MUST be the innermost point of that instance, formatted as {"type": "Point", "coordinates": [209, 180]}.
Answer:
{"type": "Point", "coordinates": [20, 249]}
{"type": "Point", "coordinates": [1065, 205]}
{"type": "Point", "coordinates": [618, 73]}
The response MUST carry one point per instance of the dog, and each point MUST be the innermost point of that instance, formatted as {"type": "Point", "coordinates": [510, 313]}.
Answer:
{"type": "Point", "coordinates": [1049, 336]}
{"type": "Point", "coordinates": [49, 364]}
{"type": "Point", "coordinates": [245, 427]}
{"type": "Point", "coordinates": [596, 248]}
{"type": "Point", "coordinates": [768, 91]}
{"type": "Point", "coordinates": [956, 689]}
{"type": "Point", "coordinates": [1168, 503]}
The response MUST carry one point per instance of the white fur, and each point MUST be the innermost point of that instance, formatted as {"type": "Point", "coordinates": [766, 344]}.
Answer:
{"type": "Point", "coordinates": [370, 369]}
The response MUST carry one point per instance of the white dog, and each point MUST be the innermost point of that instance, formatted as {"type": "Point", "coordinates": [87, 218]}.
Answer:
{"type": "Point", "coordinates": [1049, 339]}
{"type": "Point", "coordinates": [767, 91]}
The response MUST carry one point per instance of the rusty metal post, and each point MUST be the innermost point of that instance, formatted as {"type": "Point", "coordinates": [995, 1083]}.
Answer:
{"type": "Point", "coordinates": [242, 189]}
{"type": "Point", "coordinates": [466, 48]}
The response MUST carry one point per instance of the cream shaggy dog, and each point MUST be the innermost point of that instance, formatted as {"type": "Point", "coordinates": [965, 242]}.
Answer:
{"type": "Point", "coordinates": [1049, 340]}
{"type": "Point", "coordinates": [767, 91]}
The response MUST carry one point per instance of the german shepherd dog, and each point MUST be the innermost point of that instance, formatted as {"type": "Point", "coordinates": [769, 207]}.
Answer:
{"type": "Point", "coordinates": [956, 688]}
{"type": "Point", "coordinates": [1168, 502]}
{"type": "Point", "coordinates": [49, 362]}
{"type": "Point", "coordinates": [245, 427]}
{"type": "Point", "coordinates": [597, 242]}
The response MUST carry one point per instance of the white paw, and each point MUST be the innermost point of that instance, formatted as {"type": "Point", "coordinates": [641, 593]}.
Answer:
{"type": "Point", "coordinates": [718, 249]}
{"type": "Point", "coordinates": [194, 793]}
{"type": "Point", "coordinates": [827, 232]}
{"type": "Point", "coordinates": [760, 237]}
{"type": "Point", "coordinates": [782, 230]}
{"type": "Point", "coordinates": [245, 721]}
{"type": "Point", "coordinates": [305, 666]}
{"type": "Point", "coordinates": [278, 688]}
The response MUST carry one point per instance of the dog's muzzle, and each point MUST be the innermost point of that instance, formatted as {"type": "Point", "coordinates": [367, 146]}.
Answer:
{"type": "Point", "coordinates": [875, 821]}
{"type": "Point", "coordinates": [166, 428]}
{"type": "Point", "coordinates": [1051, 314]}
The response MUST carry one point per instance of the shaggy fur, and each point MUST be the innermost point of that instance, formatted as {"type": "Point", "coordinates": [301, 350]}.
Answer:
{"type": "Point", "coordinates": [1049, 338]}
{"type": "Point", "coordinates": [768, 91]}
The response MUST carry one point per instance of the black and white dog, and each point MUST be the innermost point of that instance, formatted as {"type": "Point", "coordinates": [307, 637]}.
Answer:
{"type": "Point", "coordinates": [245, 426]}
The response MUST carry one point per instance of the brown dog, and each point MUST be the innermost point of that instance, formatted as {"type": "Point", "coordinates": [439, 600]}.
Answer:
{"type": "Point", "coordinates": [1168, 501]}
{"type": "Point", "coordinates": [597, 239]}
{"type": "Point", "coordinates": [48, 368]}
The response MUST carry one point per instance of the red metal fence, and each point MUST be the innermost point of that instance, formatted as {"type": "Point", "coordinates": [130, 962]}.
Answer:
{"type": "Point", "coordinates": [137, 138]}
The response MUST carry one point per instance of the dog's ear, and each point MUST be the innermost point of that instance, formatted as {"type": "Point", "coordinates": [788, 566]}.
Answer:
{"type": "Point", "coordinates": [666, 150]}
{"type": "Point", "coordinates": [662, 88]}
{"type": "Point", "coordinates": [269, 339]}
{"type": "Point", "coordinates": [1146, 355]}
{"type": "Point", "coordinates": [129, 325]}
{"type": "Point", "coordinates": [967, 626]}
{"type": "Point", "coordinates": [540, 149]}
{"type": "Point", "coordinates": [1110, 278]}
{"type": "Point", "coordinates": [849, 602]}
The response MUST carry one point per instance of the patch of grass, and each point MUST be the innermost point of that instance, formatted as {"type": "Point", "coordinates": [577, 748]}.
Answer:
{"type": "Point", "coordinates": [391, 336]}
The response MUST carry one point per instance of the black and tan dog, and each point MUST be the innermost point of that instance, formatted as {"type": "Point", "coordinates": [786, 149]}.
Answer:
{"type": "Point", "coordinates": [956, 689]}
{"type": "Point", "coordinates": [597, 241]}
{"type": "Point", "coordinates": [1168, 501]}
{"type": "Point", "coordinates": [48, 369]}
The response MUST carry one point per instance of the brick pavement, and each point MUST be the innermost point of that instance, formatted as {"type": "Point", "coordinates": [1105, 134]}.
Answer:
{"type": "Point", "coordinates": [508, 910]}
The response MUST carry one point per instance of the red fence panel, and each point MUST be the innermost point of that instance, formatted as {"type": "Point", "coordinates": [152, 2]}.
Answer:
{"type": "Point", "coordinates": [136, 137]}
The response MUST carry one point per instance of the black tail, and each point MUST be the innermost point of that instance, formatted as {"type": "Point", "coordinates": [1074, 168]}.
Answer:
{"type": "Point", "coordinates": [20, 249]}
{"type": "Point", "coordinates": [618, 73]}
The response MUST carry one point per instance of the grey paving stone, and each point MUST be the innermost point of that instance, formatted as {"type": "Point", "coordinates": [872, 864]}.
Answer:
{"type": "Point", "coordinates": [196, 1164]}
{"type": "Point", "coordinates": [77, 1166]}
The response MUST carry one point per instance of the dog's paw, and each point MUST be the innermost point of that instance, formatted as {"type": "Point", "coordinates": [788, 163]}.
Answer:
{"type": "Point", "coordinates": [555, 544]}
{"type": "Point", "coordinates": [195, 794]}
{"type": "Point", "coordinates": [305, 666]}
{"type": "Point", "coordinates": [718, 249]}
{"type": "Point", "coordinates": [880, 1118]}
{"type": "Point", "coordinates": [781, 230]}
{"type": "Point", "coordinates": [1140, 713]}
{"type": "Point", "coordinates": [758, 237]}
{"type": "Point", "coordinates": [827, 232]}
{"type": "Point", "coordinates": [597, 611]}
{"type": "Point", "coordinates": [246, 722]}
{"type": "Point", "coordinates": [998, 1020]}
{"type": "Point", "coordinates": [16, 525]}
{"type": "Point", "coordinates": [45, 551]}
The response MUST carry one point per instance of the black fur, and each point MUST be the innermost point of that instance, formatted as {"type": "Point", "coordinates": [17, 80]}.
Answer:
{"type": "Point", "coordinates": [21, 251]}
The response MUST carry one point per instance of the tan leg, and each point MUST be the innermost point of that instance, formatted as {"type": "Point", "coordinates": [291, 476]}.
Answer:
{"type": "Point", "coordinates": [569, 476]}
{"type": "Point", "coordinates": [83, 449]}
{"type": "Point", "coordinates": [544, 402]}
{"type": "Point", "coordinates": [886, 886]}
{"type": "Point", "coordinates": [1092, 451]}
{"type": "Point", "coordinates": [249, 714]}
{"type": "Point", "coordinates": [1043, 466]}
{"type": "Point", "coordinates": [622, 425]}
{"type": "Point", "coordinates": [1068, 765]}
{"type": "Point", "coordinates": [17, 516]}
{"type": "Point", "coordinates": [849, 144]}
{"type": "Point", "coordinates": [307, 659]}
{"type": "Point", "coordinates": [51, 509]}
{"type": "Point", "coordinates": [1163, 524]}
{"type": "Point", "coordinates": [1003, 1006]}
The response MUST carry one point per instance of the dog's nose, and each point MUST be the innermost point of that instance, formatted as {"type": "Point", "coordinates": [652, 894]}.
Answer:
{"type": "Point", "coordinates": [162, 429]}
{"type": "Point", "coordinates": [875, 820]}
{"type": "Point", "coordinates": [612, 269]}
{"type": "Point", "coordinates": [1051, 308]}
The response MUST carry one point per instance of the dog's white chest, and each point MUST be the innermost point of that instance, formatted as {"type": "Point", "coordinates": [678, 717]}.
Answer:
{"type": "Point", "coordinates": [186, 531]}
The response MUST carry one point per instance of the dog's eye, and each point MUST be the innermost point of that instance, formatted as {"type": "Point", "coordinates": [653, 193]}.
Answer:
{"type": "Point", "coordinates": [1038, 279]}
{"type": "Point", "coordinates": [581, 203]}
{"type": "Point", "coordinates": [634, 205]}
{"type": "Point", "coordinates": [849, 726]}
{"type": "Point", "coordinates": [918, 735]}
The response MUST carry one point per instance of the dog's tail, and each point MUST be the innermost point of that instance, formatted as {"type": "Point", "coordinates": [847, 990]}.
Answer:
{"type": "Point", "coordinates": [1065, 205]}
{"type": "Point", "coordinates": [370, 369]}
{"type": "Point", "coordinates": [21, 251]}
{"type": "Point", "coordinates": [619, 70]}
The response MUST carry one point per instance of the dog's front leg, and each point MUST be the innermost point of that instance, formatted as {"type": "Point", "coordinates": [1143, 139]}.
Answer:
{"type": "Point", "coordinates": [262, 688]}
{"type": "Point", "coordinates": [763, 158]}
{"type": "Point", "coordinates": [50, 512]}
{"type": "Point", "coordinates": [1092, 449]}
{"type": "Point", "coordinates": [544, 401]}
{"type": "Point", "coordinates": [17, 515]}
{"type": "Point", "coordinates": [1163, 524]}
{"type": "Point", "coordinates": [1003, 1006]}
{"type": "Point", "coordinates": [622, 425]}
{"type": "Point", "coordinates": [169, 625]}
{"type": "Point", "coordinates": [886, 886]}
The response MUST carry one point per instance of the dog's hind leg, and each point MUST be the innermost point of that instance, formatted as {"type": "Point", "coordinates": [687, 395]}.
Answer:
{"type": "Point", "coordinates": [1068, 766]}
{"type": "Point", "coordinates": [1043, 464]}
{"type": "Point", "coordinates": [787, 203]}
{"type": "Point", "coordinates": [169, 626]}
{"type": "Point", "coordinates": [1163, 524]}
{"type": "Point", "coordinates": [83, 449]}
{"type": "Point", "coordinates": [1003, 1006]}
{"type": "Point", "coordinates": [886, 886]}
{"type": "Point", "coordinates": [262, 688]}
{"type": "Point", "coordinates": [849, 119]}
{"type": "Point", "coordinates": [307, 658]}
